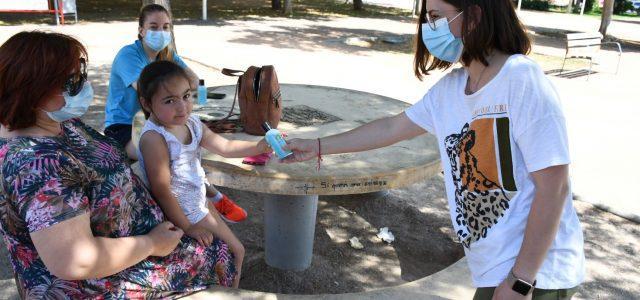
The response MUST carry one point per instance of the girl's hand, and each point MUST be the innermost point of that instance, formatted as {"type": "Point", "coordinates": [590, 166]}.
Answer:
{"type": "Point", "coordinates": [303, 149]}
{"type": "Point", "coordinates": [263, 146]}
{"type": "Point", "coordinates": [200, 233]}
{"type": "Point", "coordinates": [164, 238]}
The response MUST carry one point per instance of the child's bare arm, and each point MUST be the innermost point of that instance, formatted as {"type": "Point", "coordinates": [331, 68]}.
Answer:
{"type": "Point", "coordinates": [229, 148]}
{"type": "Point", "coordinates": [156, 155]}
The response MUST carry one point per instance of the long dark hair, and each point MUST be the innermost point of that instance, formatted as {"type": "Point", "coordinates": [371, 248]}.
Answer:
{"type": "Point", "coordinates": [498, 28]}
{"type": "Point", "coordinates": [34, 65]}
{"type": "Point", "coordinates": [167, 52]}
{"type": "Point", "coordinates": [154, 76]}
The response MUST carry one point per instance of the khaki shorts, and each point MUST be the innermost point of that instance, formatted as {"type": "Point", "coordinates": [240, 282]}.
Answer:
{"type": "Point", "coordinates": [538, 294]}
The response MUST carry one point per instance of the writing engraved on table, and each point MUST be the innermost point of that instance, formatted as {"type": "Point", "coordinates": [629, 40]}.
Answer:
{"type": "Point", "coordinates": [324, 185]}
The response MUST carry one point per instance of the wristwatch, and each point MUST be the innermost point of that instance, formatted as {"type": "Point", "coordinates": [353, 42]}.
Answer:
{"type": "Point", "coordinates": [520, 286]}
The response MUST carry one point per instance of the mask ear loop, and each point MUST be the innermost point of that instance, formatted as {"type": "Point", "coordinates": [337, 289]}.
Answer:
{"type": "Point", "coordinates": [449, 22]}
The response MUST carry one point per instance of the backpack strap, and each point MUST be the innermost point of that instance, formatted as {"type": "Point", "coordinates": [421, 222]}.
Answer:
{"type": "Point", "coordinates": [235, 98]}
{"type": "Point", "coordinates": [231, 72]}
{"type": "Point", "coordinates": [226, 125]}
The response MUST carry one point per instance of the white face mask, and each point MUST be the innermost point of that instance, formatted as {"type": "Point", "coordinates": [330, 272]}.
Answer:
{"type": "Point", "coordinates": [74, 106]}
{"type": "Point", "coordinates": [440, 42]}
{"type": "Point", "coordinates": [157, 39]}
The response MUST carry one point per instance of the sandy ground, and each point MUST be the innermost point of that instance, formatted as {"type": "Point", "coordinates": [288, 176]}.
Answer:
{"type": "Point", "coordinates": [417, 216]}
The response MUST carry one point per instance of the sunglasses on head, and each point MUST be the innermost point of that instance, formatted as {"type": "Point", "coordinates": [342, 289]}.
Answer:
{"type": "Point", "coordinates": [74, 84]}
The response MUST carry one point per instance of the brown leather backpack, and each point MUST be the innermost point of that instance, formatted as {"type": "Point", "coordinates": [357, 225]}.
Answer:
{"type": "Point", "coordinates": [260, 100]}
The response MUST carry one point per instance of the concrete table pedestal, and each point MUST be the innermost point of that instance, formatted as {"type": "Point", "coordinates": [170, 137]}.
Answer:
{"type": "Point", "coordinates": [289, 229]}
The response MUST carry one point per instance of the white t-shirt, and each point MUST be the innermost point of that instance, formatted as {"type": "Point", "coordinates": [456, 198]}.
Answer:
{"type": "Point", "coordinates": [489, 144]}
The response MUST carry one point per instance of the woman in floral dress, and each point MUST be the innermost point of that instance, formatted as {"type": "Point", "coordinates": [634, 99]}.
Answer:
{"type": "Point", "coordinates": [77, 222]}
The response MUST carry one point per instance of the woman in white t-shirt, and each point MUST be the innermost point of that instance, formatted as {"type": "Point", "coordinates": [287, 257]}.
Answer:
{"type": "Point", "coordinates": [503, 144]}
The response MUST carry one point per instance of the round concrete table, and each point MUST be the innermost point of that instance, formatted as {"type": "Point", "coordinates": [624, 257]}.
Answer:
{"type": "Point", "coordinates": [290, 191]}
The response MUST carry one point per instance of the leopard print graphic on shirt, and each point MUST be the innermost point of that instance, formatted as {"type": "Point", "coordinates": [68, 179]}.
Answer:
{"type": "Point", "coordinates": [479, 197]}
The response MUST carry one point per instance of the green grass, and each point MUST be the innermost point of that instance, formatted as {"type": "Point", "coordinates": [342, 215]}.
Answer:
{"type": "Point", "coordinates": [597, 13]}
{"type": "Point", "coordinates": [127, 10]}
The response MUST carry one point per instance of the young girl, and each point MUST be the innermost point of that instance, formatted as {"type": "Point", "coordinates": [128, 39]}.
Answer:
{"type": "Point", "coordinates": [503, 145]}
{"type": "Point", "coordinates": [154, 43]}
{"type": "Point", "coordinates": [169, 154]}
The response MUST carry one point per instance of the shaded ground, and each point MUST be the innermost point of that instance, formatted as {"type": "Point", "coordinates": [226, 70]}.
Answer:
{"type": "Point", "coordinates": [417, 216]}
{"type": "Point", "coordinates": [612, 245]}
{"type": "Point", "coordinates": [217, 11]}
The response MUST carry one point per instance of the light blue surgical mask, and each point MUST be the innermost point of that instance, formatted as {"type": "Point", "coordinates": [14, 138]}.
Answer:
{"type": "Point", "coordinates": [440, 41]}
{"type": "Point", "coordinates": [157, 39]}
{"type": "Point", "coordinates": [74, 106]}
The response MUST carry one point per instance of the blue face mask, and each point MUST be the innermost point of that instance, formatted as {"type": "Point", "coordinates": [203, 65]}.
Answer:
{"type": "Point", "coordinates": [74, 106]}
{"type": "Point", "coordinates": [440, 41]}
{"type": "Point", "coordinates": [157, 39]}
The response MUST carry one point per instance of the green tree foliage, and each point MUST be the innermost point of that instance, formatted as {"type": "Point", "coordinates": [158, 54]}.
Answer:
{"type": "Point", "coordinates": [622, 6]}
{"type": "Point", "coordinates": [542, 5]}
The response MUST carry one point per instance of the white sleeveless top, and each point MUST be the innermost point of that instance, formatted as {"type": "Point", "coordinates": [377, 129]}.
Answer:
{"type": "Point", "coordinates": [187, 175]}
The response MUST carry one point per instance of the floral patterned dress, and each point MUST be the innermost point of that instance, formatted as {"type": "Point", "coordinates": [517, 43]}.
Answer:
{"type": "Point", "coordinates": [46, 180]}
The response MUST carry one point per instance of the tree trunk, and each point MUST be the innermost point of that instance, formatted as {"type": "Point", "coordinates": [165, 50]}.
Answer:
{"type": "Point", "coordinates": [357, 4]}
{"type": "Point", "coordinates": [288, 7]}
{"type": "Point", "coordinates": [607, 12]}
{"type": "Point", "coordinates": [416, 7]}
{"type": "Point", "coordinates": [569, 7]}
{"type": "Point", "coordinates": [165, 3]}
{"type": "Point", "coordinates": [276, 5]}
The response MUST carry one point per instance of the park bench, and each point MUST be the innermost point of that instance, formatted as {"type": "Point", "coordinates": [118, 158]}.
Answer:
{"type": "Point", "coordinates": [586, 46]}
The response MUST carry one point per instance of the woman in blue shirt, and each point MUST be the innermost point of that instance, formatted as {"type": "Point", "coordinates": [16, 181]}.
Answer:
{"type": "Point", "coordinates": [154, 43]}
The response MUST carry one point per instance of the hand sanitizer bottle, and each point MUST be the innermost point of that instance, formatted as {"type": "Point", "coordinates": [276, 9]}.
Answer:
{"type": "Point", "coordinates": [275, 140]}
{"type": "Point", "coordinates": [202, 92]}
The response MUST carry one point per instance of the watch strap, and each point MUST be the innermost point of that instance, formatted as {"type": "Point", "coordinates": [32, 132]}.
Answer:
{"type": "Point", "coordinates": [520, 286]}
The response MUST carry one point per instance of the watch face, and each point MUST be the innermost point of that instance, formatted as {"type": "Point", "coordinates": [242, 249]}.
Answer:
{"type": "Point", "coordinates": [521, 287]}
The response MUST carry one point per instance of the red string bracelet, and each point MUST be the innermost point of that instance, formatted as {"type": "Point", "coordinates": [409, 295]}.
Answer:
{"type": "Point", "coordinates": [319, 154]}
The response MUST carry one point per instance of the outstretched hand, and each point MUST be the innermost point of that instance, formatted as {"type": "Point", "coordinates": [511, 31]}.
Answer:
{"type": "Point", "coordinates": [303, 150]}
